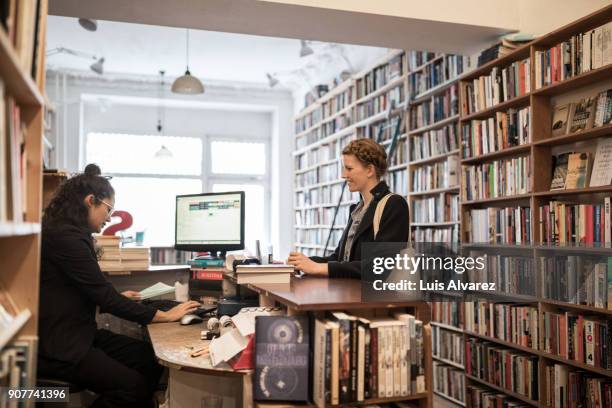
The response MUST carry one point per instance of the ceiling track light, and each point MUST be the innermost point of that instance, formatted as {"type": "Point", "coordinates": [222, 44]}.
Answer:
{"type": "Point", "coordinates": [88, 24]}
{"type": "Point", "coordinates": [97, 66]}
{"type": "Point", "coordinates": [272, 80]}
{"type": "Point", "coordinates": [187, 84]}
{"type": "Point", "coordinates": [305, 49]}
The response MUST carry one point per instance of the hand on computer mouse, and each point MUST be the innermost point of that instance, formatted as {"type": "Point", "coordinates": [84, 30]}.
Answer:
{"type": "Point", "coordinates": [307, 265]}
{"type": "Point", "coordinates": [176, 312]}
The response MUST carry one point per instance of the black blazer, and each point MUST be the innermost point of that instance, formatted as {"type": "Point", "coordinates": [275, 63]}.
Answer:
{"type": "Point", "coordinates": [394, 227]}
{"type": "Point", "coordinates": [71, 286]}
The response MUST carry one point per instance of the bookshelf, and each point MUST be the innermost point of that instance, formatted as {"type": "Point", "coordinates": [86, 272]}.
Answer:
{"type": "Point", "coordinates": [22, 59]}
{"type": "Point", "coordinates": [540, 147]}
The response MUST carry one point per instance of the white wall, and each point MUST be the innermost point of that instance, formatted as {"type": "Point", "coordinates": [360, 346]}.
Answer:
{"type": "Point", "coordinates": [110, 104]}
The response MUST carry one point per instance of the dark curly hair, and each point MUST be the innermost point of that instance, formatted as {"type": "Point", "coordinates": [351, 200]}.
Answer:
{"type": "Point", "coordinates": [67, 205]}
{"type": "Point", "coordinates": [368, 152]}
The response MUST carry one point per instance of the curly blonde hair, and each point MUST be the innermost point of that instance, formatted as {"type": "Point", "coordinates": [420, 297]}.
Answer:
{"type": "Point", "coordinates": [368, 152]}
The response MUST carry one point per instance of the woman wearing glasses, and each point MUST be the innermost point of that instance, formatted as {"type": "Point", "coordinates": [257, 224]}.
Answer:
{"type": "Point", "coordinates": [122, 370]}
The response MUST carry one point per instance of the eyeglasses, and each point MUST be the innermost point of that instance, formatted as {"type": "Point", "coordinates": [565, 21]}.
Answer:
{"type": "Point", "coordinates": [111, 210]}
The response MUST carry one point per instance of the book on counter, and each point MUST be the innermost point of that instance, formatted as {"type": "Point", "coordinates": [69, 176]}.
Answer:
{"type": "Point", "coordinates": [271, 273]}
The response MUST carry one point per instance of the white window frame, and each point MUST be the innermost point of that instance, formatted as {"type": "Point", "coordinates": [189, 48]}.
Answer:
{"type": "Point", "coordinates": [261, 180]}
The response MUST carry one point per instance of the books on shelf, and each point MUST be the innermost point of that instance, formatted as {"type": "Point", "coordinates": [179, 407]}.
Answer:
{"type": "Point", "coordinates": [578, 170]}
{"type": "Point", "coordinates": [499, 178]}
{"type": "Point", "coordinates": [449, 381]}
{"type": "Point", "coordinates": [434, 142]}
{"type": "Point", "coordinates": [509, 322]}
{"type": "Point", "coordinates": [438, 234]}
{"type": "Point", "coordinates": [398, 181]}
{"type": "Point", "coordinates": [478, 396]}
{"type": "Point", "coordinates": [436, 175]}
{"type": "Point", "coordinates": [448, 312]}
{"type": "Point", "coordinates": [567, 387]}
{"type": "Point", "coordinates": [499, 86]}
{"type": "Point", "coordinates": [439, 107]}
{"type": "Point", "coordinates": [512, 275]}
{"type": "Point", "coordinates": [447, 345]}
{"type": "Point", "coordinates": [17, 365]}
{"type": "Point", "coordinates": [500, 49]}
{"type": "Point", "coordinates": [437, 73]}
{"type": "Point", "coordinates": [440, 208]}
{"type": "Point", "coordinates": [578, 280]}
{"type": "Point", "coordinates": [499, 132]}
{"type": "Point", "coordinates": [601, 174]}
{"type": "Point", "coordinates": [562, 223]}
{"type": "Point", "coordinates": [503, 367]}
{"type": "Point", "coordinates": [510, 225]}
{"type": "Point", "coordinates": [587, 113]}
{"type": "Point", "coordinates": [170, 256]}
{"type": "Point", "coordinates": [392, 98]}
{"type": "Point", "coordinates": [578, 54]}
{"type": "Point", "coordinates": [577, 337]}
{"type": "Point", "coordinates": [356, 359]}
{"type": "Point", "coordinates": [380, 76]}
{"type": "Point", "coordinates": [416, 59]}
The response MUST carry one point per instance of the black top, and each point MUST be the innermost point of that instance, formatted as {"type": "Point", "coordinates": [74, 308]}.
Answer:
{"type": "Point", "coordinates": [71, 286]}
{"type": "Point", "coordinates": [394, 227]}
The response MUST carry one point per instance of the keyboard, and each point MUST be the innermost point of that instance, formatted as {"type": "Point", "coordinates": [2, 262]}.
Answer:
{"type": "Point", "coordinates": [164, 305]}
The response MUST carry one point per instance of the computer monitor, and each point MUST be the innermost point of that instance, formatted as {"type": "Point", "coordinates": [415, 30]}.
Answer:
{"type": "Point", "coordinates": [210, 222]}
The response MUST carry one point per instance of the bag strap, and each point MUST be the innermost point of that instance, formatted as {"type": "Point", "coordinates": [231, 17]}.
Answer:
{"type": "Point", "coordinates": [380, 207]}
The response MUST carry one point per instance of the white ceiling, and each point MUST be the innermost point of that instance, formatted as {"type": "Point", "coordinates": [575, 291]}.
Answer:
{"type": "Point", "coordinates": [145, 49]}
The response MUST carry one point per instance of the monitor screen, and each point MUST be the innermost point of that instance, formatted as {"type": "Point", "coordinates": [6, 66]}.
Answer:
{"type": "Point", "coordinates": [210, 221]}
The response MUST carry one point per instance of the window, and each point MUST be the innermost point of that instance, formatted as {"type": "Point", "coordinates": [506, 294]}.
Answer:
{"type": "Point", "coordinates": [146, 185]}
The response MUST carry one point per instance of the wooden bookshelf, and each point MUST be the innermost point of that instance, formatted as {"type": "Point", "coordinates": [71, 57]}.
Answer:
{"type": "Point", "coordinates": [20, 227]}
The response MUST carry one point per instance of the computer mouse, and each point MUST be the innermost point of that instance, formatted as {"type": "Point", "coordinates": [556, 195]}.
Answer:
{"type": "Point", "coordinates": [191, 319]}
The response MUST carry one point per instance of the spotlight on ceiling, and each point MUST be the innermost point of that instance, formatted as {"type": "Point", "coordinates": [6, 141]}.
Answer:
{"type": "Point", "coordinates": [89, 24]}
{"type": "Point", "coordinates": [272, 81]}
{"type": "Point", "coordinates": [98, 66]}
{"type": "Point", "coordinates": [305, 50]}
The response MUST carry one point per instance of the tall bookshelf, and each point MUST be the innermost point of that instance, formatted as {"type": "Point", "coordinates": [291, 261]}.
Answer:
{"type": "Point", "coordinates": [22, 45]}
{"type": "Point", "coordinates": [525, 242]}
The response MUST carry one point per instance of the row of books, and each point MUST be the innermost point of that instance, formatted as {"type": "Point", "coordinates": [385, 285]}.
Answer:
{"type": "Point", "coordinates": [170, 256]}
{"type": "Point", "coordinates": [563, 223]}
{"type": "Point", "coordinates": [385, 129]}
{"type": "Point", "coordinates": [440, 208]}
{"type": "Point", "coordinates": [499, 86]}
{"type": "Point", "coordinates": [436, 175]}
{"type": "Point", "coordinates": [510, 225]}
{"type": "Point", "coordinates": [509, 369]}
{"type": "Point", "coordinates": [513, 323]}
{"type": "Point", "coordinates": [577, 279]}
{"type": "Point", "coordinates": [13, 159]}
{"type": "Point", "coordinates": [325, 129]}
{"type": "Point", "coordinates": [437, 73]}
{"type": "Point", "coordinates": [307, 121]}
{"type": "Point", "coordinates": [322, 174]}
{"type": "Point", "coordinates": [340, 101]}
{"type": "Point", "coordinates": [514, 274]}
{"type": "Point", "coordinates": [478, 396]}
{"type": "Point", "coordinates": [587, 113]}
{"type": "Point", "coordinates": [316, 236]}
{"type": "Point", "coordinates": [324, 216]}
{"type": "Point", "coordinates": [439, 107]}
{"type": "Point", "coordinates": [502, 48]}
{"type": "Point", "coordinates": [17, 367]}
{"type": "Point", "coordinates": [447, 344]}
{"type": "Point", "coordinates": [567, 387]}
{"type": "Point", "coordinates": [448, 312]}
{"type": "Point", "coordinates": [320, 154]}
{"type": "Point", "coordinates": [428, 234]}
{"type": "Point", "coordinates": [21, 21]}
{"type": "Point", "coordinates": [416, 59]}
{"type": "Point", "coordinates": [323, 195]}
{"type": "Point", "coordinates": [380, 76]}
{"type": "Point", "coordinates": [434, 142]}
{"type": "Point", "coordinates": [449, 381]}
{"type": "Point", "coordinates": [356, 359]}
{"type": "Point", "coordinates": [577, 337]}
{"type": "Point", "coordinates": [401, 154]}
{"type": "Point", "coordinates": [392, 98]}
{"type": "Point", "coordinates": [499, 178]}
{"type": "Point", "coordinates": [579, 54]}
{"type": "Point", "coordinates": [398, 181]}
{"type": "Point", "coordinates": [504, 130]}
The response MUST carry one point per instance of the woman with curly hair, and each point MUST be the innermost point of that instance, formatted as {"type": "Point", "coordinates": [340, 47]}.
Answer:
{"type": "Point", "coordinates": [122, 370]}
{"type": "Point", "coordinates": [364, 164]}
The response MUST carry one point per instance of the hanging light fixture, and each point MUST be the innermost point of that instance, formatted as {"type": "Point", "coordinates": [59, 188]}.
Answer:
{"type": "Point", "coordinates": [305, 50]}
{"type": "Point", "coordinates": [187, 84]}
{"type": "Point", "coordinates": [163, 153]}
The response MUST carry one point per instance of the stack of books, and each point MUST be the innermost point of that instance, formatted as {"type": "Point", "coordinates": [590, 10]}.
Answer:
{"type": "Point", "coordinates": [135, 258]}
{"type": "Point", "coordinates": [111, 253]}
{"type": "Point", "coordinates": [273, 273]}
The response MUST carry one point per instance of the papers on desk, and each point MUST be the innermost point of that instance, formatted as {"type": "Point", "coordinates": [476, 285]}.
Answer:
{"type": "Point", "coordinates": [158, 289]}
{"type": "Point", "coordinates": [245, 319]}
{"type": "Point", "coordinates": [227, 346]}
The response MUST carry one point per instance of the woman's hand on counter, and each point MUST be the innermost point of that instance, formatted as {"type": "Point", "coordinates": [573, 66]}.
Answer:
{"type": "Point", "coordinates": [307, 265]}
{"type": "Point", "coordinates": [176, 312]}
